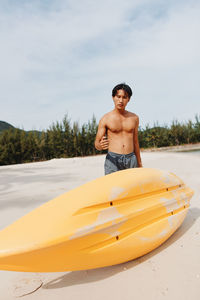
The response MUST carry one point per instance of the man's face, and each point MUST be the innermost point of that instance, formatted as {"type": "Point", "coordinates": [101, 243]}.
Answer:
{"type": "Point", "coordinates": [121, 99]}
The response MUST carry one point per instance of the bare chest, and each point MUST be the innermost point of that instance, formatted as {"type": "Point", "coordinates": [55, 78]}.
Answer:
{"type": "Point", "coordinates": [121, 125]}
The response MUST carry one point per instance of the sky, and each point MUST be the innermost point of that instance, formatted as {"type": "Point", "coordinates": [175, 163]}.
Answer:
{"type": "Point", "coordinates": [64, 57]}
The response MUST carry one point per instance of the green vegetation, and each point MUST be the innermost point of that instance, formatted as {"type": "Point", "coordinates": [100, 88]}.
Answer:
{"type": "Point", "coordinates": [63, 140]}
{"type": "Point", "coordinates": [176, 134]}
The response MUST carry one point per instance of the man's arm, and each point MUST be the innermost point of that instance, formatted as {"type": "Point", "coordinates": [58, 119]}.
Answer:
{"type": "Point", "coordinates": [101, 142]}
{"type": "Point", "coordinates": [136, 144]}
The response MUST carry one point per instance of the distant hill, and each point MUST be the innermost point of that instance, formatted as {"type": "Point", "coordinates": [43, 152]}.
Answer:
{"type": "Point", "coordinates": [5, 126]}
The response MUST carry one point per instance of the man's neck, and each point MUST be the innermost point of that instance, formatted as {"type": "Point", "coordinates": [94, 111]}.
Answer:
{"type": "Point", "coordinates": [120, 112]}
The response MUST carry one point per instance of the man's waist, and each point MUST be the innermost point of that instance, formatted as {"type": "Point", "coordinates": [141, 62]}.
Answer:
{"type": "Point", "coordinates": [114, 154]}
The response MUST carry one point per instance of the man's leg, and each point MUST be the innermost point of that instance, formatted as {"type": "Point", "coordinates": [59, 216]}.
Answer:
{"type": "Point", "coordinates": [110, 165]}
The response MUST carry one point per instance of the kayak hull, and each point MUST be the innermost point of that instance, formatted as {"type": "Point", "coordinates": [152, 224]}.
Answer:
{"type": "Point", "coordinates": [110, 220]}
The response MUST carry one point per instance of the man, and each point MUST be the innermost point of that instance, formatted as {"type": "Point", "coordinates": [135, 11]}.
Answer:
{"type": "Point", "coordinates": [118, 132]}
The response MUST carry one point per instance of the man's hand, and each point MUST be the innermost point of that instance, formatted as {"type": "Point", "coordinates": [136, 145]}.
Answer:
{"type": "Point", "coordinates": [104, 143]}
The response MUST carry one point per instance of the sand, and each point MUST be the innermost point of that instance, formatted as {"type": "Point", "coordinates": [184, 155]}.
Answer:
{"type": "Point", "coordinates": [171, 271]}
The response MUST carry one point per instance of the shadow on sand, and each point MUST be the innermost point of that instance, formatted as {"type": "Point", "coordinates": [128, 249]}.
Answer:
{"type": "Point", "coordinates": [86, 276]}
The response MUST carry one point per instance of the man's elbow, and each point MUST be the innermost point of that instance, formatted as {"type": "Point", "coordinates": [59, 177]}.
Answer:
{"type": "Point", "coordinates": [96, 145]}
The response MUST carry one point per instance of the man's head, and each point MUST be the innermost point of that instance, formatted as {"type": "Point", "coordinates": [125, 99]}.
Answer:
{"type": "Point", "coordinates": [122, 86]}
{"type": "Point", "coordinates": [121, 95]}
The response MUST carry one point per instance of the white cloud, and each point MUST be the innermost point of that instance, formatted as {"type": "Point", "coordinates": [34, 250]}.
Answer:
{"type": "Point", "coordinates": [66, 56]}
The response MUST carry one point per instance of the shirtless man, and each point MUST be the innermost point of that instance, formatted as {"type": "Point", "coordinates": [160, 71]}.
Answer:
{"type": "Point", "coordinates": [118, 132]}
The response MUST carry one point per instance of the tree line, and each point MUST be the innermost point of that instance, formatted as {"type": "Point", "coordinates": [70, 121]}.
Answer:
{"type": "Point", "coordinates": [64, 139]}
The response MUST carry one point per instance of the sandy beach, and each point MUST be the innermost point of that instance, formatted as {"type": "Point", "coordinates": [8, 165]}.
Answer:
{"type": "Point", "coordinates": [171, 271]}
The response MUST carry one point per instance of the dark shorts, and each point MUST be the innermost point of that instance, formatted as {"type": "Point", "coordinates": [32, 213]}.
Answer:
{"type": "Point", "coordinates": [115, 162]}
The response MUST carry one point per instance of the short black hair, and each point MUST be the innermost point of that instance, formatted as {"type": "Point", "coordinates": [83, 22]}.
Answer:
{"type": "Point", "coordinates": [122, 86]}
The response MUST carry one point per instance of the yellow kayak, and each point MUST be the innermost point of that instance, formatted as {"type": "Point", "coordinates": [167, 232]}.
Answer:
{"type": "Point", "coordinates": [110, 220]}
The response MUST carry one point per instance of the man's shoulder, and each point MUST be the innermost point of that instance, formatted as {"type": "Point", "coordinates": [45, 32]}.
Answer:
{"type": "Point", "coordinates": [107, 116]}
{"type": "Point", "coordinates": [133, 115]}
